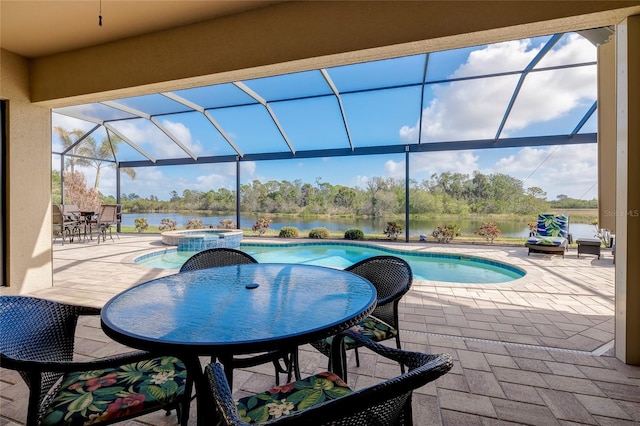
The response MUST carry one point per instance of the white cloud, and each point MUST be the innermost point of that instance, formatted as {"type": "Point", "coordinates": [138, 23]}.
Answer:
{"type": "Point", "coordinates": [571, 170]}
{"type": "Point", "coordinates": [473, 109]}
{"type": "Point", "coordinates": [183, 134]}
{"type": "Point", "coordinates": [359, 181]}
{"type": "Point", "coordinates": [247, 168]}
{"type": "Point", "coordinates": [162, 181]}
{"type": "Point", "coordinates": [394, 169]}
{"type": "Point", "coordinates": [154, 141]}
{"type": "Point", "coordinates": [423, 165]}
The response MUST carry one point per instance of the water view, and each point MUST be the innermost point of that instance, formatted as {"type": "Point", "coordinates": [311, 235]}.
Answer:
{"type": "Point", "coordinates": [509, 229]}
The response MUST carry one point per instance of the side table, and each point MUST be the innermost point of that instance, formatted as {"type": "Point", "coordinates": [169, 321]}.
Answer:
{"type": "Point", "coordinates": [589, 246]}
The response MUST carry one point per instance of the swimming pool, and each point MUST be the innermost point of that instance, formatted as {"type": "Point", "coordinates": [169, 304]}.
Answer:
{"type": "Point", "coordinates": [426, 266]}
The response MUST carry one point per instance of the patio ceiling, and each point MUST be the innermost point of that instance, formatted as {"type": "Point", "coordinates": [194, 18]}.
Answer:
{"type": "Point", "coordinates": [379, 107]}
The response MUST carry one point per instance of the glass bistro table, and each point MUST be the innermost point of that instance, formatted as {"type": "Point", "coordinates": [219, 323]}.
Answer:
{"type": "Point", "coordinates": [240, 309]}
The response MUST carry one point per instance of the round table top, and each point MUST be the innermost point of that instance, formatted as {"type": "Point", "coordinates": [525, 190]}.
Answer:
{"type": "Point", "coordinates": [238, 309]}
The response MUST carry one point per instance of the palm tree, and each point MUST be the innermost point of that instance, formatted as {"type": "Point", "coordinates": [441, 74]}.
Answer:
{"type": "Point", "coordinates": [68, 138]}
{"type": "Point", "coordinates": [100, 155]}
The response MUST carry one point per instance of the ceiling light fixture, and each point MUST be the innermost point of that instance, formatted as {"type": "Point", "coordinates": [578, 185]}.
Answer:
{"type": "Point", "coordinates": [100, 15]}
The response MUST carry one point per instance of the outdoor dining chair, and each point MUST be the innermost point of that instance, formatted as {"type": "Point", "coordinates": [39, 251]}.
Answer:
{"type": "Point", "coordinates": [37, 340]}
{"type": "Point", "coordinates": [223, 256]}
{"type": "Point", "coordinates": [218, 256]}
{"type": "Point", "coordinates": [107, 218]}
{"type": "Point", "coordinates": [325, 399]}
{"type": "Point", "coordinates": [65, 226]}
{"type": "Point", "coordinates": [392, 277]}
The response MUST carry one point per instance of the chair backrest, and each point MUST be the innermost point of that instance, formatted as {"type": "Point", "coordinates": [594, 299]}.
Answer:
{"type": "Point", "coordinates": [392, 277]}
{"type": "Point", "coordinates": [57, 217]}
{"type": "Point", "coordinates": [69, 209]}
{"type": "Point", "coordinates": [385, 403]}
{"type": "Point", "coordinates": [553, 225]}
{"type": "Point", "coordinates": [36, 330]}
{"type": "Point", "coordinates": [219, 256]}
{"type": "Point", "coordinates": [108, 213]}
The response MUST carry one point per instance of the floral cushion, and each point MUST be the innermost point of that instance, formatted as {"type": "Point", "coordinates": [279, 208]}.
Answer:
{"type": "Point", "coordinates": [283, 400]}
{"type": "Point", "coordinates": [91, 397]}
{"type": "Point", "coordinates": [371, 327]}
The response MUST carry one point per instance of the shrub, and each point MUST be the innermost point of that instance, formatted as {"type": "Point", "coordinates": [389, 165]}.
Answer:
{"type": "Point", "coordinates": [353, 234]}
{"type": "Point", "coordinates": [227, 224]}
{"type": "Point", "coordinates": [604, 235]}
{"type": "Point", "coordinates": [392, 230]}
{"type": "Point", "coordinates": [446, 233]}
{"type": "Point", "coordinates": [194, 224]}
{"type": "Point", "coordinates": [489, 230]}
{"type": "Point", "coordinates": [288, 232]}
{"type": "Point", "coordinates": [319, 233]}
{"type": "Point", "coordinates": [168, 225]}
{"type": "Point", "coordinates": [141, 224]}
{"type": "Point", "coordinates": [261, 226]}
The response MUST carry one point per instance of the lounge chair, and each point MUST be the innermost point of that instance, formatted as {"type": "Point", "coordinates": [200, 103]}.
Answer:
{"type": "Point", "coordinates": [552, 235]}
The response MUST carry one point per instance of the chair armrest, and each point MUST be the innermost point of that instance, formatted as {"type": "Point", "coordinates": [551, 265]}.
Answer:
{"type": "Point", "coordinates": [411, 359]}
{"type": "Point", "coordinates": [390, 298]}
{"type": "Point", "coordinates": [73, 366]}
{"type": "Point", "coordinates": [222, 394]}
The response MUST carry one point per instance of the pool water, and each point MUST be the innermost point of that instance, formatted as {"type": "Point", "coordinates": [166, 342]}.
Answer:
{"type": "Point", "coordinates": [425, 266]}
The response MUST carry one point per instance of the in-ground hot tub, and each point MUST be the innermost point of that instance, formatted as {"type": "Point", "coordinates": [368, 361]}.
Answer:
{"type": "Point", "coordinates": [202, 239]}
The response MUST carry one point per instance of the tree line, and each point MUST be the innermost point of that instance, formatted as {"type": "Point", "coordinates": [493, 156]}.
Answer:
{"type": "Point", "coordinates": [442, 194]}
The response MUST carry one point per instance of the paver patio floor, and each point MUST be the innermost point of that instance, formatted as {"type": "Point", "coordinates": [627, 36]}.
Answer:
{"type": "Point", "coordinates": [534, 351]}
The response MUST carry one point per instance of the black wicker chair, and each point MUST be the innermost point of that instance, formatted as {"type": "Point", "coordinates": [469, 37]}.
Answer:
{"type": "Point", "coordinates": [221, 256]}
{"type": "Point", "coordinates": [392, 277]}
{"type": "Point", "coordinates": [333, 403]}
{"type": "Point", "coordinates": [37, 340]}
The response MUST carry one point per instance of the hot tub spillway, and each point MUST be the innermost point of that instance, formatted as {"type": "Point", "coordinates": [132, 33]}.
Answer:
{"type": "Point", "coordinates": [203, 239]}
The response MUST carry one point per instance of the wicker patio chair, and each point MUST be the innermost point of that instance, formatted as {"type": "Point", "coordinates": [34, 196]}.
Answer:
{"type": "Point", "coordinates": [37, 340]}
{"type": "Point", "coordinates": [392, 277]}
{"type": "Point", "coordinates": [218, 256]}
{"type": "Point", "coordinates": [325, 399]}
{"type": "Point", "coordinates": [222, 256]}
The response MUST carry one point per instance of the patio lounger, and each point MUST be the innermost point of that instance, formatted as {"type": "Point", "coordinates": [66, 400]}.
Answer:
{"type": "Point", "coordinates": [552, 235]}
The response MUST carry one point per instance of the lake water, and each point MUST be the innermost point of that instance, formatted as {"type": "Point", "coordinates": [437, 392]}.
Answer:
{"type": "Point", "coordinates": [368, 226]}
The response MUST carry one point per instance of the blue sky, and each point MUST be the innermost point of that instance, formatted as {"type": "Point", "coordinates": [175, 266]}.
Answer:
{"type": "Point", "coordinates": [549, 102]}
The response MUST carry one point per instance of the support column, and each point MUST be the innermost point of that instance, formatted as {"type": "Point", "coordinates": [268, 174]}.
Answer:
{"type": "Point", "coordinates": [627, 315]}
{"type": "Point", "coordinates": [607, 134]}
{"type": "Point", "coordinates": [238, 200]}
{"type": "Point", "coordinates": [406, 194]}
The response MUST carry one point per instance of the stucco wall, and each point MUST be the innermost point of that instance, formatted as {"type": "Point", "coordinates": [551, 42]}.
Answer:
{"type": "Point", "coordinates": [296, 36]}
{"type": "Point", "coordinates": [28, 194]}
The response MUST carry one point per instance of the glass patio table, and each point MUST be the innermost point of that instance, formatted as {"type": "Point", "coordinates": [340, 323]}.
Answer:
{"type": "Point", "coordinates": [240, 309]}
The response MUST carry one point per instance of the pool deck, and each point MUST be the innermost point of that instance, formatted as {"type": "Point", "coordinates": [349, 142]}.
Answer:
{"type": "Point", "coordinates": [534, 351]}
